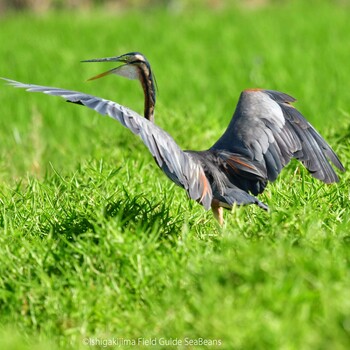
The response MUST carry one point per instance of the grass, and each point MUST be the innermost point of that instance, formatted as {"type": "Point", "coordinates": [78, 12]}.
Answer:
{"type": "Point", "coordinates": [96, 244]}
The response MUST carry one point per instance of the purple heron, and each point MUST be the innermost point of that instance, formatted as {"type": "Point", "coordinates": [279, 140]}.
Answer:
{"type": "Point", "coordinates": [265, 133]}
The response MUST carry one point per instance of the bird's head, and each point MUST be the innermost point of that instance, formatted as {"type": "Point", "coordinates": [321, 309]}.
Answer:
{"type": "Point", "coordinates": [132, 58]}
{"type": "Point", "coordinates": [135, 64]}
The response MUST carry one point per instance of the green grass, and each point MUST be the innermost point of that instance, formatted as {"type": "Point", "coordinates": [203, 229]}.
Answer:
{"type": "Point", "coordinates": [96, 243]}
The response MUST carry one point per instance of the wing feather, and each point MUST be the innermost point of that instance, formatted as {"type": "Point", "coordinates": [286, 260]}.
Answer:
{"type": "Point", "coordinates": [181, 167]}
{"type": "Point", "coordinates": [266, 128]}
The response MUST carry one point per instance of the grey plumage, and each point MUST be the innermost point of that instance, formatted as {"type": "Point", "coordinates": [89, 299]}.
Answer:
{"type": "Point", "coordinates": [269, 132]}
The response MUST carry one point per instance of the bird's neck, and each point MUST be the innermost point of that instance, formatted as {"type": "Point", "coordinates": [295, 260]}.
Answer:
{"type": "Point", "coordinates": [148, 86]}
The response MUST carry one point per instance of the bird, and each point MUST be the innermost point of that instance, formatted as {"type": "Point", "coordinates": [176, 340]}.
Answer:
{"type": "Point", "coordinates": [264, 134]}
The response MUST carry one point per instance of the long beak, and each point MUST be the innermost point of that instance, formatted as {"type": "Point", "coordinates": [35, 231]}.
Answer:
{"type": "Point", "coordinates": [126, 70]}
{"type": "Point", "coordinates": [106, 59]}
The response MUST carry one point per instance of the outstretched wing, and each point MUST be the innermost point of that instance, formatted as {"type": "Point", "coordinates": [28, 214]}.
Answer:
{"type": "Point", "coordinates": [179, 166]}
{"type": "Point", "coordinates": [269, 131]}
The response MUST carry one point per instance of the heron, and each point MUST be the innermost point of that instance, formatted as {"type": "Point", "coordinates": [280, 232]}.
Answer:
{"type": "Point", "coordinates": [264, 134]}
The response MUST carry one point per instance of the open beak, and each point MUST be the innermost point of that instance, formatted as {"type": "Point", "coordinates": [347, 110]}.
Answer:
{"type": "Point", "coordinates": [126, 70]}
{"type": "Point", "coordinates": [105, 59]}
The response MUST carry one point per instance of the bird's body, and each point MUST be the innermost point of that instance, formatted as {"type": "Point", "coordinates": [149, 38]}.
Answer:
{"type": "Point", "coordinates": [265, 133]}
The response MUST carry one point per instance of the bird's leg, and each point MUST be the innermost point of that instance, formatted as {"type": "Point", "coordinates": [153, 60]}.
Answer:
{"type": "Point", "coordinates": [218, 211]}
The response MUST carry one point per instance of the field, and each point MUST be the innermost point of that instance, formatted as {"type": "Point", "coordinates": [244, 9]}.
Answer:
{"type": "Point", "coordinates": [97, 245]}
